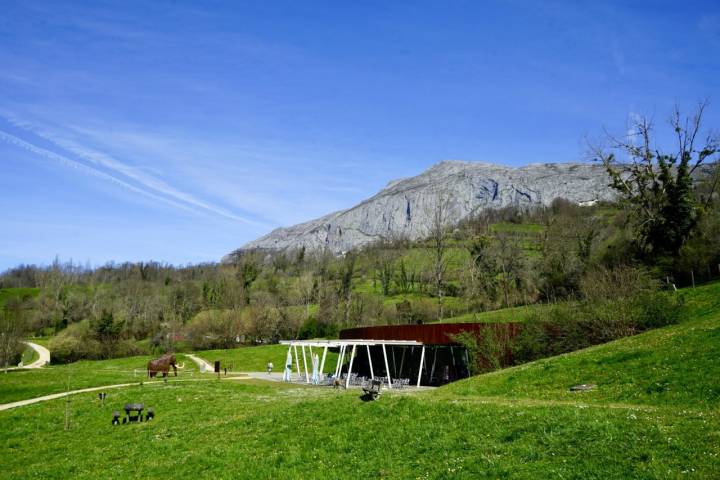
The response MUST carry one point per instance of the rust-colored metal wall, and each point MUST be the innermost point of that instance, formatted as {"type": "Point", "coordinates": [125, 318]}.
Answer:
{"type": "Point", "coordinates": [430, 334]}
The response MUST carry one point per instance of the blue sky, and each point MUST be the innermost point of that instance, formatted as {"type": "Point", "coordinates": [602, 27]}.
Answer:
{"type": "Point", "coordinates": [177, 131]}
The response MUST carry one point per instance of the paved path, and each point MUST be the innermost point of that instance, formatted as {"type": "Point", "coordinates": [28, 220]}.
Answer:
{"type": "Point", "coordinates": [30, 401]}
{"type": "Point", "coordinates": [43, 357]}
{"type": "Point", "coordinates": [209, 368]}
{"type": "Point", "coordinates": [273, 377]}
{"type": "Point", "coordinates": [203, 365]}
{"type": "Point", "coordinates": [45, 398]}
{"type": "Point", "coordinates": [43, 353]}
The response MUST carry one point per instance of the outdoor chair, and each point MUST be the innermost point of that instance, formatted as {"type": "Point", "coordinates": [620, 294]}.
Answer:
{"type": "Point", "coordinates": [372, 392]}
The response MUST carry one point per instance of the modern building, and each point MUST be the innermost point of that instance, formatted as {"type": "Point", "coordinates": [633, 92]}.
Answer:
{"type": "Point", "coordinates": [399, 355]}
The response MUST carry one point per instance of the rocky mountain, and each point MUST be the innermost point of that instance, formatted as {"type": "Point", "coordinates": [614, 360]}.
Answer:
{"type": "Point", "coordinates": [406, 207]}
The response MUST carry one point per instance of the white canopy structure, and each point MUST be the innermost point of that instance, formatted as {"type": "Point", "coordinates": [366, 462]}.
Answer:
{"type": "Point", "coordinates": [343, 346]}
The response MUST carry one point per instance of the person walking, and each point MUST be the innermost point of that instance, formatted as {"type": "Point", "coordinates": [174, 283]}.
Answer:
{"type": "Point", "coordinates": [269, 367]}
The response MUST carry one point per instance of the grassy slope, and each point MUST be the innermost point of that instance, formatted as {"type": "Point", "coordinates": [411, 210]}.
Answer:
{"type": "Point", "coordinates": [22, 384]}
{"type": "Point", "coordinates": [675, 365]}
{"type": "Point", "coordinates": [29, 355]}
{"type": "Point", "coordinates": [255, 359]}
{"type": "Point", "coordinates": [494, 426]}
{"type": "Point", "coordinates": [513, 314]}
{"type": "Point", "coordinates": [235, 429]}
{"type": "Point", "coordinates": [7, 293]}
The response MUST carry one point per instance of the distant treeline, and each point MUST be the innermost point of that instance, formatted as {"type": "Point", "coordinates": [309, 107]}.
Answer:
{"type": "Point", "coordinates": [664, 230]}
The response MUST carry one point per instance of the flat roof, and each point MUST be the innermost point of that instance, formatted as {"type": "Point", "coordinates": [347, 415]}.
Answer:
{"type": "Point", "coordinates": [428, 333]}
{"type": "Point", "coordinates": [349, 341]}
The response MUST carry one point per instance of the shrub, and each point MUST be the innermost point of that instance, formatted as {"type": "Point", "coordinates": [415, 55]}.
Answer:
{"type": "Point", "coordinates": [488, 349]}
{"type": "Point", "coordinates": [214, 329]}
{"type": "Point", "coordinates": [659, 309]}
{"type": "Point", "coordinates": [313, 328]}
{"type": "Point", "coordinates": [71, 345]}
{"type": "Point", "coordinates": [79, 342]}
{"type": "Point", "coordinates": [571, 326]}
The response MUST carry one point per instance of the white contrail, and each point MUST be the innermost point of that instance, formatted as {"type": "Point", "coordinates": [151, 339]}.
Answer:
{"type": "Point", "coordinates": [98, 158]}
{"type": "Point", "coordinates": [12, 139]}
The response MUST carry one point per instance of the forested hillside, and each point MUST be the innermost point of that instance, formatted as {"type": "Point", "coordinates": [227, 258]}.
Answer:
{"type": "Point", "coordinates": [601, 268]}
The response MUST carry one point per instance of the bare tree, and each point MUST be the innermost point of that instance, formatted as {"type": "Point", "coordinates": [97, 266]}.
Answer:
{"type": "Point", "coordinates": [657, 186]}
{"type": "Point", "coordinates": [12, 330]}
{"type": "Point", "coordinates": [438, 242]}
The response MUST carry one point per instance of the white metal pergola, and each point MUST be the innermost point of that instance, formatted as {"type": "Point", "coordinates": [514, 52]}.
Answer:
{"type": "Point", "coordinates": [343, 346]}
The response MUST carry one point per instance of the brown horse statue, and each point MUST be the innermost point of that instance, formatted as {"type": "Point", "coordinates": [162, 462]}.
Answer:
{"type": "Point", "coordinates": [162, 365]}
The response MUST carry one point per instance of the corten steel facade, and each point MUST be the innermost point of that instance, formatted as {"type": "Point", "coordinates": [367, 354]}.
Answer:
{"type": "Point", "coordinates": [428, 334]}
{"type": "Point", "coordinates": [440, 359]}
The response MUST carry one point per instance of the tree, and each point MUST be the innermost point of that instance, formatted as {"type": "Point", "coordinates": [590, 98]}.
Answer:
{"type": "Point", "coordinates": [438, 242]}
{"type": "Point", "coordinates": [385, 270]}
{"type": "Point", "coordinates": [657, 186]}
{"type": "Point", "coordinates": [346, 284]}
{"type": "Point", "coordinates": [12, 330]}
{"type": "Point", "coordinates": [405, 278]}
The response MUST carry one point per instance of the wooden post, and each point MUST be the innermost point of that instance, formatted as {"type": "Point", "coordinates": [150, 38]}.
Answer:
{"type": "Point", "coordinates": [67, 406]}
{"type": "Point", "coordinates": [692, 276]}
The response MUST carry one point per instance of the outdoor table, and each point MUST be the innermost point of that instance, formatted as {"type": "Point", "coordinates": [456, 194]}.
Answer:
{"type": "Point", "coordinates": [133, 407]}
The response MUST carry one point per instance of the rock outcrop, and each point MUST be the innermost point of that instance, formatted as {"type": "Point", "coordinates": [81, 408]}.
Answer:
{"type": "Point", "coordinates": [405, 208]}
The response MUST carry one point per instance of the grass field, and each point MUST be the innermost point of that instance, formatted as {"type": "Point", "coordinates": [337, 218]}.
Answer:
{"type": "Point", "coordinates": [29, 355]}
{"type": "Point", "coordinates": [514, 314]}
{"type": "Point", "coordinates": [233, 429]}
{"type": "Point", "coordinates": [675, 365]}
{"type": "Point", "coordinates": [654, 414]}
{"type": "Point", "coordinates": [19, 293]}
{"type": "Point", "coordinates": [21, 384]}
{"type": "Point", "coordinates": [255, 359]}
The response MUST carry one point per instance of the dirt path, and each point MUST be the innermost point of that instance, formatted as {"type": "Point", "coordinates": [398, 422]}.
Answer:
{"type": "Point", "coordinates": [43, 357]}
{"type": "Point", "coordinates": [43, 353]}
{"type": "Point", "coordinates": [202, 364]}
{"type": "Point", "coordinates": [54, 396]}
{"type": "Point", "coordinates": [209, 368]}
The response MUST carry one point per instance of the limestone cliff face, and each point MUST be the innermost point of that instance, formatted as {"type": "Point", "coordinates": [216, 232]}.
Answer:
{"type": "Point", "coordinates": [405, 208]}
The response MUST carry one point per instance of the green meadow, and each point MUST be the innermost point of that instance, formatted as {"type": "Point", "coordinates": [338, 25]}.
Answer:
{"type": "Point", "coordinates": [23, 384]}
{"type": "Point", "coordinates": [255, 359]}
{"type": "Point", "coordinates": [654, 413]}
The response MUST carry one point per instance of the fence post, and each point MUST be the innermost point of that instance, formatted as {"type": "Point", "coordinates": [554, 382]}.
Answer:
{"type": "Point", "coordinates": [692, 276]}
{"type": "Point", "coordinates": [67, 405]}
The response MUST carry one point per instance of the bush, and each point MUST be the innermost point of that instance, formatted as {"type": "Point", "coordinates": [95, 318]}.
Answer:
{"type": "Point", "coordinates": [487, 350]}
{"type": "Point", "coordinates": [568, 327]}
{"type": "Point", "coordinates": [211, 329]}
{"type": "Point", "coordinates": [313, 328]}
{"type": "Point", "coordinates": [79, 342]}
{"type": "Point", "coordinates": [659, 309]}
{"type": "Point", "coordinates": [67, 347]}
